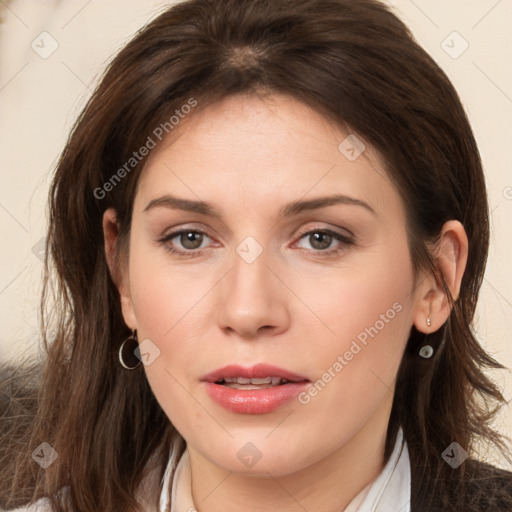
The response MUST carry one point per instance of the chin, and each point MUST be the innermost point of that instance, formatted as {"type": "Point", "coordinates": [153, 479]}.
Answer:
{"type": "Point", "coordinates": [259, 459]}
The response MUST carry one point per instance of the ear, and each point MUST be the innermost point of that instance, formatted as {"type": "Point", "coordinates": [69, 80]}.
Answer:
{"type": "Point", "coordinates": [117, 269]}
{"type": "Point", "coordinates": [450, 255]}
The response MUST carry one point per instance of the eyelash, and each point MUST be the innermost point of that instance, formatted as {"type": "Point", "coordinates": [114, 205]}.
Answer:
{"type": "Point", "coordinates": [198, 252]}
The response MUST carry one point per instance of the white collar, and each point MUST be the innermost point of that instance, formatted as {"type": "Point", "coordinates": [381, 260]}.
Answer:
{"type": "Point", "coordinates": [389, 492]}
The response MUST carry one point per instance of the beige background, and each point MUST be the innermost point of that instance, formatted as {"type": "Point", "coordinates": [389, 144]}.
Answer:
{"type": "Point", "coordinates": [40, 96]}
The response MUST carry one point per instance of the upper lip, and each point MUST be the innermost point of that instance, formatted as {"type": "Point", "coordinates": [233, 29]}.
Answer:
{"type": "Point", "coordinates": [258, 371]}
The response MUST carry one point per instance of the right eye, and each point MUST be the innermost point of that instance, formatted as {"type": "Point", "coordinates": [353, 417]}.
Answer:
{"type": "Point", "coordinates": [190, 240]}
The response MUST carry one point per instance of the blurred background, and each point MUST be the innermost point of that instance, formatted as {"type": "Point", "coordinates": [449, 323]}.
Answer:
{"type": "Point", "coordinates": [52, 53]}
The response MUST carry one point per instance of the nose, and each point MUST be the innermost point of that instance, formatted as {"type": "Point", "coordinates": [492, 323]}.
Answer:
{"type": "Point", "coordinates": [253, 301]}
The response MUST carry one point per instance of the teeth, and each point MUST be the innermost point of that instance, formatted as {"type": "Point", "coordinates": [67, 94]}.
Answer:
{"type": "Point", "coordinates": [244, 383]}
{"type": "Point", "coordinates": [266, 380]}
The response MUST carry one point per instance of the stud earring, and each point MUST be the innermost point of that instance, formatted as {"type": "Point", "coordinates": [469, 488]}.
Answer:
{"type": "Point", "coordinates": [429, 323]}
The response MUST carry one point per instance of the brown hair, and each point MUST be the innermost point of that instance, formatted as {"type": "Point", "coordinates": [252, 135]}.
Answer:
{"type": "Point", "coordinates": [356, 63]}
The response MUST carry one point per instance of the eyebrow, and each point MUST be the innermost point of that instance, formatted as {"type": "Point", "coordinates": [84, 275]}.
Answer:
{"type": "Point", "coordinates": [288, 210]}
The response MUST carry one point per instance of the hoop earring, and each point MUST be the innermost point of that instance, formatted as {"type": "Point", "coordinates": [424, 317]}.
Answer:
{"type": "Point", "coordinates": [128, 351]}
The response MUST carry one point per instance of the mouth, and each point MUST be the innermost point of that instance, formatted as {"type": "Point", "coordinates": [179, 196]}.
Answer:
{"type": "Point", "coordinates": [255, 390]}
{"type": "Point", "coordinates": [259, 376]}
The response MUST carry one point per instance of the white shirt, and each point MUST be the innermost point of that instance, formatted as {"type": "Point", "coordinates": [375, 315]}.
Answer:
{"type": "Point", "coordinates": [389, 492]}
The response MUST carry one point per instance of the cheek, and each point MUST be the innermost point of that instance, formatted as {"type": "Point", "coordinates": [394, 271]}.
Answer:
{"type": "Point", "coordinates": [367, 314]}
{"type": "Point", "coordinates": [167, 304]}
{"type": "Point", "coordinates": [369, 285]}
{"type": "Point", "coordinates": [165, 297]}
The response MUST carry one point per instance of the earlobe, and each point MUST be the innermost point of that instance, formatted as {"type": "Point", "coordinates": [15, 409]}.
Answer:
{"type": "Point", "coordinates": [450, 258]}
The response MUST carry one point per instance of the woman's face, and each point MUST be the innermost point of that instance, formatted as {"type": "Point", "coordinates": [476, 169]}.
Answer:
{"type": "Point", "coordinates": [270, 273]}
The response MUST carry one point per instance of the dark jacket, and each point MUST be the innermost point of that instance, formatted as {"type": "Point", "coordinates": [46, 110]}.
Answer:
{"type": "Point", "coordinates": [485, 488]}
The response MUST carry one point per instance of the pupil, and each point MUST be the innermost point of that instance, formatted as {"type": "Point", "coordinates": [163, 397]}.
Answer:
{"type": "Point", "coordinates": [324, 238]}
{"type": "Point", "coordinates": [189, 239]}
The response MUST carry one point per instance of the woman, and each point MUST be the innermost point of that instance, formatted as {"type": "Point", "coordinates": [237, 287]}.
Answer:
{"type": "Point", "coordinates": [269, 228]}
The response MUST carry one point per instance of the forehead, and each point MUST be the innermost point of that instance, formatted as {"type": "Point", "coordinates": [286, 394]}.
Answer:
{"type": "Point", "coordinates": [263, 150]}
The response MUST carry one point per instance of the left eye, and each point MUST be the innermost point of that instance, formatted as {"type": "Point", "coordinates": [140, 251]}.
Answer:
{"type": "Point", "coordinates": [321, 240]}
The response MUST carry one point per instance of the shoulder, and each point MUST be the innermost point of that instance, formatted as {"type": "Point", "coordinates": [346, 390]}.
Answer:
{"type": "Point", "coordinates": [482, 488]}
{"type": "Point", "coordinates": [488, 488]}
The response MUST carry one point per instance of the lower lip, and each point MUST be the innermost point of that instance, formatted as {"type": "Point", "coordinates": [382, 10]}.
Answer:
{"type": "Point", "coordinates": [254, 401]}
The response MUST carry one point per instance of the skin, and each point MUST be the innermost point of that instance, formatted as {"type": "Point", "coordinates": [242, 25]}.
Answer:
{"type": "Point", "coordinates": [292, 307]}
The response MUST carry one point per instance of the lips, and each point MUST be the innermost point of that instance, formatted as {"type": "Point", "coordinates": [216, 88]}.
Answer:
{"type": "Point", "coordinates": [256, 390]}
